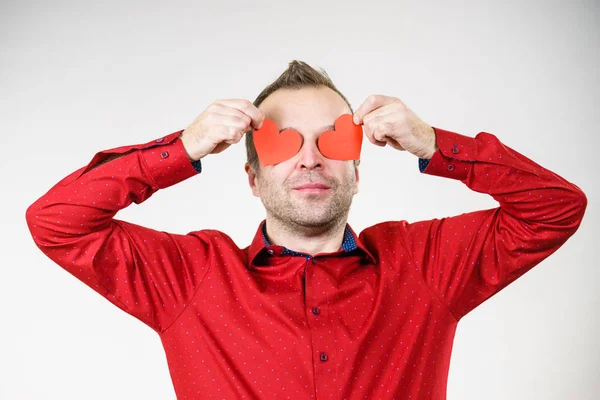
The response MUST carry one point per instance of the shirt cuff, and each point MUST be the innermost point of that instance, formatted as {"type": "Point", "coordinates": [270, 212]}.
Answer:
{"type": "Point", "coordinates": [455, 156]}
{"type": "Point", "coordinates": [197, 166]}
{"type": "Point", "coordinates": [423, 163]}
{"type": "Point", "coordinates": [168, 162]}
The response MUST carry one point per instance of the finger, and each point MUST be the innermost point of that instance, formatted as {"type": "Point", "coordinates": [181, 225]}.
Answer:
{"type": "Point", "coordinates": [227, 126]}
{"type": "Point", "coordinates": [380, 134]}
{"type": "Point", "coordinates": [234, 123]}
{"type": "Point", "coordinates": [235, 137]}
{"type": "Point", "coordinates": [247, 108]}
{"type": "Point", "coordinates": [372, 102]}
{"type": "Point", "coordinates": [382, 126]}
{"type": "Point", "coordinates": [219, 109]}
{"type": "Point", "coordinates": [368, 129]}
{"type": "Point", "coordinates": [390, 109]}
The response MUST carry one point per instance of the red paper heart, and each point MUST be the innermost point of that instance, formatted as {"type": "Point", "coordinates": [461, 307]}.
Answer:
{"type": "Point", "coordinates": [344, 142]}
{"type": "Point", "coordinates": [273, 146]}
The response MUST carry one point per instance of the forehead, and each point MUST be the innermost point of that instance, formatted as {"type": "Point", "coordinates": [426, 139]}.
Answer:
{"type": "Point", "coordinates": [308, 110]}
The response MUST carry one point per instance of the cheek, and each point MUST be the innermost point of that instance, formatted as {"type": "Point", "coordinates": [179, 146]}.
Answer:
{"type": "Point", "coordinates": [278, 175]}
{"type": "Point", "coordinates": [345, 171]}
{"type": "Point", "coordinates": [271, 183]}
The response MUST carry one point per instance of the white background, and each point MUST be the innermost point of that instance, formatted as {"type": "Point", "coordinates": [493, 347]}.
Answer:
{"type": "Point", "coordinates": [80, 77]}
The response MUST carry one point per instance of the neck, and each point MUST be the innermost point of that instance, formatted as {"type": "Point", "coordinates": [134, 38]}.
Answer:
{"type": "Point", "coordinates": [312, 240]}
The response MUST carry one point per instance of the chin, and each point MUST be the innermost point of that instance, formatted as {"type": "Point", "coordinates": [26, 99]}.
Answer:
{"type": "Point", "coordinates": [313, 219]}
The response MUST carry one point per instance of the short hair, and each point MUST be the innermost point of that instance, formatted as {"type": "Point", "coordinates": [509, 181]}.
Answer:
{"type": "Point", "coordinates": [298, 75]}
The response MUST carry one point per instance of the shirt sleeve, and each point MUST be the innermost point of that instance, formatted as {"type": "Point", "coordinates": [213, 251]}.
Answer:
{"type": "Point", "coordinates": [149, 274]}
{"type": "Point", "coordinates": [468, 258]}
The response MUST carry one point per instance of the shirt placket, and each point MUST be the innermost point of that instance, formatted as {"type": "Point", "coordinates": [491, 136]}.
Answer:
{"type": "Point", "coordinates": [320, 322]}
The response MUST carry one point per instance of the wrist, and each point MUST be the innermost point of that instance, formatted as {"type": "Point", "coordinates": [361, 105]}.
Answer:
{"type": "Point", "coordinates": [434, 146]}
{"type": "Point", "coordinates": [185, 147]}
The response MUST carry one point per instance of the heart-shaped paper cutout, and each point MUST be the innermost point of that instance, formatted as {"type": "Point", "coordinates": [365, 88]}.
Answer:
{"type": "Point", "coordinates": [273, 146]}
{"type": "Point", "coordinates": [344, 142]}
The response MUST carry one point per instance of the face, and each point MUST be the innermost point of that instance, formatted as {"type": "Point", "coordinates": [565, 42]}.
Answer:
{"type": "Point", "coordinates": [310, 111]}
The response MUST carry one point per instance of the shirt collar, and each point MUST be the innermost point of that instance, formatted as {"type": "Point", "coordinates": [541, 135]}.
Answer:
{"type": "Point", "coordinates": [260, 245]}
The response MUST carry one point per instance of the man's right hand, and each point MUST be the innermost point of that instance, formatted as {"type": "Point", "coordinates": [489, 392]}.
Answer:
{"type": "Point", "coordinates": [221, 124]}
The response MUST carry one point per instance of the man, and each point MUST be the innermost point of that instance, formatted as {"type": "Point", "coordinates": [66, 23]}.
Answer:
{"type": "Point", "coordinates": [309, 309]}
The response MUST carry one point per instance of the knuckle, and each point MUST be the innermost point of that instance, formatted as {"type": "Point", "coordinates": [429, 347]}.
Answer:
{"type": "Point", "coordinates": [238, 122]}
{"type": "Point", "coordinates": [223, 131]}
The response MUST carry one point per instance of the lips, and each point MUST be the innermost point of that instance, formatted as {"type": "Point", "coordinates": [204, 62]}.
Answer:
{"type": "Point", "coordinates": [311, 186]}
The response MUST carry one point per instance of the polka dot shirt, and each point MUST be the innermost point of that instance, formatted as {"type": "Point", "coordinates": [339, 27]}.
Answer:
{"type": "Point", "coordinates": [374, 320]}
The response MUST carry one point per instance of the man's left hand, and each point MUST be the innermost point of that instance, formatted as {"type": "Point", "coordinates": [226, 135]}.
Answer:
{"type": "Point", "coordinates": [386, 120]}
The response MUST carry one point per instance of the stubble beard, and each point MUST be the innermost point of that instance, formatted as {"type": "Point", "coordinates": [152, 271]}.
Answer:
{"type": "Point", "coordinates": [309, 211]}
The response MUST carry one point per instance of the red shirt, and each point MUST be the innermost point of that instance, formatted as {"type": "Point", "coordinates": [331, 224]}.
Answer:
{"type": "Point", "coordinates": [375, 322]}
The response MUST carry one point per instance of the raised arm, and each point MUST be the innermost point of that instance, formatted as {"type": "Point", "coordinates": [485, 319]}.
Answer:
{"type": "Point", "coordinates": [468, 258]}
{"type": "Point", "coordinates": [149, 274]}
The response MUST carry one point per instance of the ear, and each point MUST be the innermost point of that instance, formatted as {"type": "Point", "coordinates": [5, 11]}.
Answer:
{"type": "Point", "coordinates": [252, 177]}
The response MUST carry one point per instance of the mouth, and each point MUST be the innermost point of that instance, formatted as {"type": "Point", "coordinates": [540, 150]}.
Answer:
{"type": "Point", "coordinates": [312, 188]}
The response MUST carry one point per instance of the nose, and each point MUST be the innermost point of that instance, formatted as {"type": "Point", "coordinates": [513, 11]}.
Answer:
{"type": "Point", "coordinates": [310, 157]}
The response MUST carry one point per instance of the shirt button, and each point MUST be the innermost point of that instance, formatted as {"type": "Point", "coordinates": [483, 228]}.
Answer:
{"type": "Point", "coordinates": [164, 154]}
{"type": "Point", "coordinates": [159, 140]}
{"type": "Point", "coordinates": [271, 251]}
{"type": "Point", "coordinates": [455, 149]}
{"type": "Point", "coordinates": [315, 310]}
{"type": "Point", "coordinates": [451, 167]}
{"type": "Point", "coordinates": [314, 260]}
{"type": "Point", "coordinates": [323, 356]}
